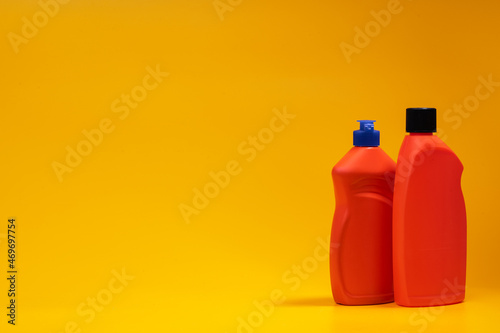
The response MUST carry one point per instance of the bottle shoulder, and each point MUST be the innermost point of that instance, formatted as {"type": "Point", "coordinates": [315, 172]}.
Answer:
{"type": "Point", "coordinates": [365, 160]}
{"type": "Point", "coordinates": [417, 150]}
{"type": "Point", "coordinates": [422, 143]}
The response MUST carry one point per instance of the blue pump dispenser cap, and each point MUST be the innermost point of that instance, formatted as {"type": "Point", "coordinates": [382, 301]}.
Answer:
{"type": "Point", "coordinates": [366, 136]}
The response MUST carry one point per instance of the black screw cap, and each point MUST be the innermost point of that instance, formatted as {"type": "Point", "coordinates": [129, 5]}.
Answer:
{"type": "Point", "coordinates": [421, 120]}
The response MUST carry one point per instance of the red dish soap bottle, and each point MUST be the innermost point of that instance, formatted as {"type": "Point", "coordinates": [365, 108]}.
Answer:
{"type": "Point", "coordinates": [429, 221]}
{"type": "Point", "coordinates": [361, 240]}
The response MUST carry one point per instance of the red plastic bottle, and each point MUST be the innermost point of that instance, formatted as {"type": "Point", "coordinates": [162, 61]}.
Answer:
{"type": "Point", "coordinates": [361, 240]}
{"type": "Point", "coordinates": [429, 221]}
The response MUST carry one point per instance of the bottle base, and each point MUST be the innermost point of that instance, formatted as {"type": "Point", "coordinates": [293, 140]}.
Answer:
{"type": "Point", "coordinates": [371, 300]}
{"type": "Point", "coordinates": [440, 300]}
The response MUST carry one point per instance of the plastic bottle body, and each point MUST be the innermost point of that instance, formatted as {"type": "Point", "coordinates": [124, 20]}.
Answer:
{"type": "Point", "coordinates": [429, 224]}
{"type": "Point", "coordinates": [361, 240]}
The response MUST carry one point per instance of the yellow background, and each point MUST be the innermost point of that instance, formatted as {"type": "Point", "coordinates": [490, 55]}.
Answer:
{"type": "Point", "coordinates": [119, 208]}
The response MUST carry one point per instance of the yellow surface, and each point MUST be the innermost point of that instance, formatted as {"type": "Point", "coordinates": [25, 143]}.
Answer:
{"type": "Point", "coordinates": [230, 73]}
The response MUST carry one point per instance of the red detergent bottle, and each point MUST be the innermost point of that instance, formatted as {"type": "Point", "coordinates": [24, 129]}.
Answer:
{"type": "Point", "coordinates": [429, 219]}
{"type": "Point", "coordinates": [361, 239]}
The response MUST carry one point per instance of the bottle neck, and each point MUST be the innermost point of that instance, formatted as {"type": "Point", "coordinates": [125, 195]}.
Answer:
{"type": "Point", "coordinates": [421, 134]}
